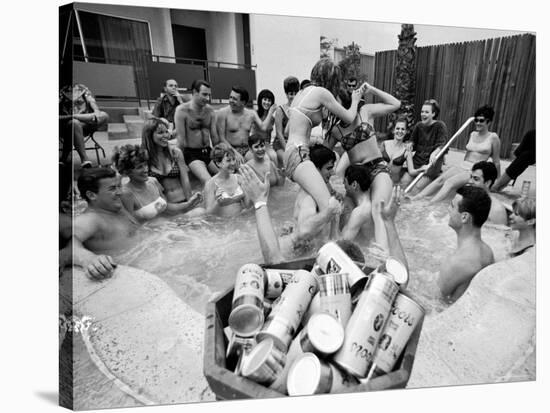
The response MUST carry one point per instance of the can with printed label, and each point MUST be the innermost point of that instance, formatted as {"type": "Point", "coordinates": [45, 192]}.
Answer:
{"type": "Point", "coordinates": [285, 317]}
{"type": "Point", "coordinates": [334, 296]}
{"type": "Point", "coordinates": [332, 259]}
{"type": "Point", "coordinates": [247, 311]}
{"type": "Point", "coordinates": [405, 315]}
{"type": "Point", "coordinates": [264, 363]}
{"type": "Point", "coordinates": [366, 325]}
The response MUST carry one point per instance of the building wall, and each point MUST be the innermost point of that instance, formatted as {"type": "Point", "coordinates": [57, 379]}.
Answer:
{"type": "Point", "coordinates": [158, 19]}
{"type": "Point", "coordinates": [292, 51]}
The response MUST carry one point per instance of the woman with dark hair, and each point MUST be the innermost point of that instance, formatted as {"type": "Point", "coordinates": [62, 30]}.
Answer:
{"type": "Point", "coordinates": [291, 86]}
{"type": "Point", "coordinates": [167, 165]}
{"type": "Point", "coordinates": [396, 150]}
{"type": "Point", "coordinates": [305, 113]}
{"type": "Point", "coordinates": [482, 145]}
{"type": "Point", "coordinates": [265, 101]}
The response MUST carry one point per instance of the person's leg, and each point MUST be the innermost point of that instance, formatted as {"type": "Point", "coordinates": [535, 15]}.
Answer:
{"type": "Point", "coordinates": [309, 178]}
{"type": "Point", "coordinates": [450, 186]}
{"type": "Point", "coordinates": [406, 179]}
{"type": "Point", "coordinates": [381, 189]}
{"type": "Point", "coordinates": [67, 142]}
{"type": "Point", "coordinates": [212, 168]}
{"type": "Point", "coordinates": [421, 184]}
{"type": "Point", "coordinates": [434, 186]}
{"type": "Point", "coordinates": [78, 140]}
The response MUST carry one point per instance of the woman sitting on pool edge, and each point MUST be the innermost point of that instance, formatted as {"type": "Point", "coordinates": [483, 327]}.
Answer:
{"type": "Point", "coordinates": [167, 165]}
{"type": "Point", "coordinates": [223, 193]}
{"type": "Point", "coordinates": [260, 162]}
{"type": "Point", "coordinates": [482, 145]}
{"type": "Point", "coordinates": [143, 195]}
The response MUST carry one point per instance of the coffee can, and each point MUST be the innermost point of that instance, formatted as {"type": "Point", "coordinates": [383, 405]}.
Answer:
{"type": "Point", "coordinates": [264, 363]}
{"type": "Point", "coordinates": [309, 375]}
{"type": "Point", "coordinates": [335, 297]}
{"type": "Point", "coordinates": [332, 259]}
{"type": "Point", "coordinates": [247, 312]}
{"type": "Point", "coordinates": [405, 315]}
{"type": "Point", "coordinates": [285, 317]}
{"type": "Point", "coordinates": [323, 335]}
{"type": "Point", "coordinates": [365, 325]}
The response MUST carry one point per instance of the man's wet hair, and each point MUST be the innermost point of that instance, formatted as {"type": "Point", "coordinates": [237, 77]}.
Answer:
{"type": "Point", "coordinates": [359, 174]}
{"type": "Point", "coordinates": [196, 85]}
{"type": "Point", "coordinates": [475, 201]}
{"type": "Point", "coordinates": [243, 93]}
{"type": "Point", "coordinates": [320, 155]}
{"type": "Point", "coordinates": [488, 169]}
{"type": "Point", "coordinates": [89, 180]}
{"type": "Point", "coordinates": [255, 138]}
{"type": "Point", "coordinates": [291, 84]}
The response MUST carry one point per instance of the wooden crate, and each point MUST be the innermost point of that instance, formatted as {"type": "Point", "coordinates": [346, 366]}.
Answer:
{"type": "Point", "coordinates": [229, 386]}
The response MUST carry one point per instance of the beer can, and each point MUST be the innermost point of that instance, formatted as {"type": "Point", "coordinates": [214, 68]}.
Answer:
{"type": "Point", "coordinates": [237, 348]}
{"type": "Point", "coordinates": [274, 282]}
{"type": "Point", "coordinates": [405, 315]}
{"type": "Point", "coordinates": [268, 306]}
{"type": "Point", "coordinates": [398, 271]}
{"type": "Point", "coordinates": [323, 335]}
{"type": "Point", "coordinates": [309, 375]}
{"type": "Point", "coordinates": [365, 325]}
{"type": "Point", "coordinates": [285, 317]}
{"type": "Point", "coordinates": [525, 186]}
{"type": "Point", "coordinates": [313, 308]}
{"type": "Point", "coordinates": [247, 312]}
{"type": "Point", "coordinates": [264, 363]}
{"type": "Point", "coordinates": [334, 296]}
{"type": "Point", "coordinates": [332, 259]}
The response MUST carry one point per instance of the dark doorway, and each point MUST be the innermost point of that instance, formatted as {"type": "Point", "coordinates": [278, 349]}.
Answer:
{"type": "Point", "coordinates": [189, 42]}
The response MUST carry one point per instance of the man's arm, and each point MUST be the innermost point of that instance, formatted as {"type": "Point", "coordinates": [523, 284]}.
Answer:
{"type": "Point", "coordinates": [257, 192]}
{"type": "Point", "coordinates": [180, 121]}
{"type": "Point", "coordinates": [310, 222]}
{"type": "Point", "coordinates": [221, 117]}
{"type": "Point", "coordinates": [454, 277]}
{"type": "Point", "coordinates": [214, 138]}
{"type": "Point", "coordinates": [388, 215]}
{"type": "Point", "coordinates": [95, 266]}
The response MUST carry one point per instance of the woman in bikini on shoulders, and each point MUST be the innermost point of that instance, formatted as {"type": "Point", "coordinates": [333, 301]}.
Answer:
{"type": "Point", "coordinates": [167, 165]}
{"type": "Point", "coordinates": [304, 114]}
{"type": "Point", "coordinates": [358, 139]}
{"type": "Point", "coordinates": [223, 192]}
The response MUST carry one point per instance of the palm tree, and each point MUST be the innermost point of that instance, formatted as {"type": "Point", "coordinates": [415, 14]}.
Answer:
{"type": "Point", "coordinates": [405, 74]}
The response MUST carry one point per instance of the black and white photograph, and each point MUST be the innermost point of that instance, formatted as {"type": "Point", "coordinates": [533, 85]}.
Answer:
{"type": "Point", "coordinates": [260, 203]}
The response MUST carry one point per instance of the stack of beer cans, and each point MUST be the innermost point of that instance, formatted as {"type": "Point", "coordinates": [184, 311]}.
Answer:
{"type": "Point", "coordinates": [321, 331]}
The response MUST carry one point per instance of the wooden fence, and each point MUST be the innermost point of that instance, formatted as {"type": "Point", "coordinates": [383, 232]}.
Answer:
{"type": "Point", "coordinates": [462, 77]}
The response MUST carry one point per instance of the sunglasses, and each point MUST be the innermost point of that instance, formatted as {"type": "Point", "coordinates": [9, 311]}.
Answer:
{"type": "Point", "coordinates": [479, 120]}
{"type": "Point", "coordinates": [352, 85]}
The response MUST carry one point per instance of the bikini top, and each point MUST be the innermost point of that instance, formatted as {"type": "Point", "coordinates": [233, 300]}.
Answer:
{"type": "Point", "coordinates": [484, 147]}
{"type": "Point", "coordinates": [313, 116]}
{"type": "Point", "coordinates": [397, 161]}
{"type": "Point", "coordinates": [152, 209]}
{"type": "Point", "coordinates": [361, 133]}
{"type": "Point", "coordinates": [221, 193]}
{"type": "Point", "coordinates": [174, 172]}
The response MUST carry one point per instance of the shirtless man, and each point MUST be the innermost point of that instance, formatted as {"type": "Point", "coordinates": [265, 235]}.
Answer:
{"type": "Point", "coordinates": [105, 226]}
{"type": "Point", "coordinates": [196, 131]}
{"type": "Point", "coordinates": [235, 121]}
{"type": "Point", "coordinates": [357, 216]}
{"type": "Point", "coordinates": [468, 211]}
{"type": "Point", "coordinates": [483, 176]}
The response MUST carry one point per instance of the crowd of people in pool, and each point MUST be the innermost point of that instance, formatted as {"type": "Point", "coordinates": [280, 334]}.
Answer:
{"type": "Point", "coordinates": [350, 186]}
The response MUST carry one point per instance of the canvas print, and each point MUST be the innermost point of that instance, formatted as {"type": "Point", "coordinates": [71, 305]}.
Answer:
{"type": "Point", "coordinates": [255, 206]}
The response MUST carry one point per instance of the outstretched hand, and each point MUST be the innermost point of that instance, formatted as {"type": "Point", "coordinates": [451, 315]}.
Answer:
{"type": "Point", "coordinates": [389, 211]}
{"type": "Point", "coordinates": [255, 189]}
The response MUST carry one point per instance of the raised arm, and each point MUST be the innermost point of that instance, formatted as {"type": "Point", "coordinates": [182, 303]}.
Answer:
{"type": "Point", "coordinates": [330, 102]}
{"type": "Point", "coordinates": [388, 213]}
{"type": "Point", "coordinates": [257, 192]}
{"type": "Point", "coordinates": [388, 105]}
{"type": "Point", "coordinates": [279, 129]}
{"type": "Point", "coordinates": [215, 139]}
{"type": "Point", "coordinates": [495, 152]}
{"type": "Point", "coordinates": [268, 121]}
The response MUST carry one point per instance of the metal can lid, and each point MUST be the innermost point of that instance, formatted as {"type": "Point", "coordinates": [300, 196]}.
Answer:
{"type": "Point", "coordinates": [246, 320]}
{"type": "Point", "coordinates": [263, 363]}
{"type": "Point", "coordinates": [397, 270]}
{"type": "Point", "coordinates": [306, 376]}
{"type": "Point", "coordinates": [325, 333]}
